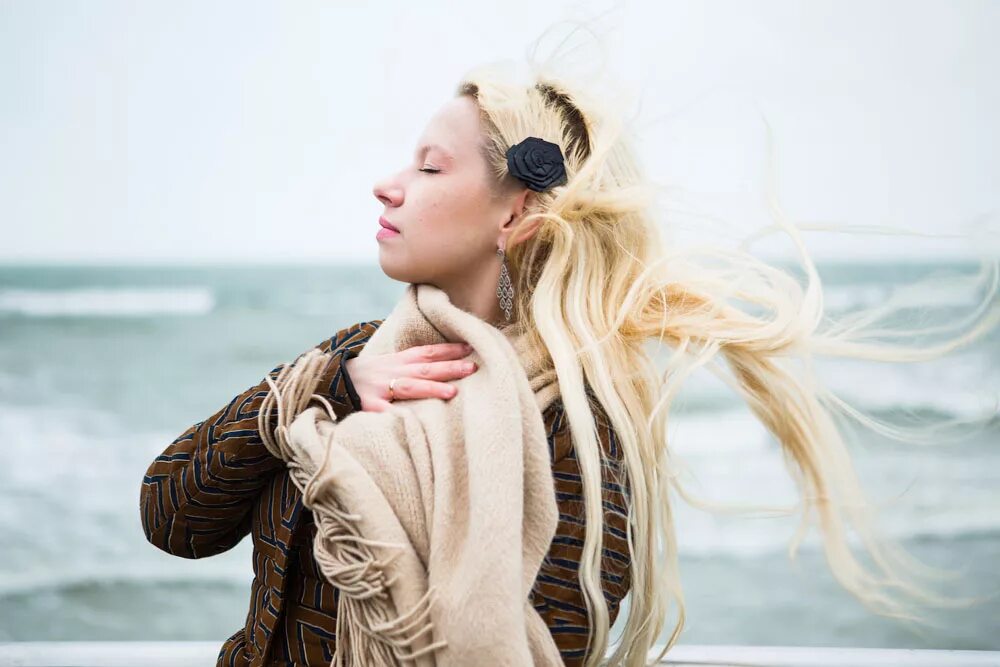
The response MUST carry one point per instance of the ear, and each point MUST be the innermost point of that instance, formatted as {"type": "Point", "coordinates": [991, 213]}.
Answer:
{"type": "Point", "coordinates": [524, 200]}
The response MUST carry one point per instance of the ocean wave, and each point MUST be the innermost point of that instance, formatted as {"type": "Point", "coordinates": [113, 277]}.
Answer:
{"type": "Point", "coordinates": [960, 386]}
{"type": "Point", "coordinates": [115, 576]}
{"type": "Point", "coordinates": [729, 459]}
{"type": "Point", "coordinates": [107, 302]}
{"type": "Point", "coordinates": [868, 295]}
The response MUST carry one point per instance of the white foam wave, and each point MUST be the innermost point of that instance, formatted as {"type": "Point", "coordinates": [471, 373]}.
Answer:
{"type": "Point", "coordinates": [729, 459]}
{"type": "Point", "coordinates": [114, 302]}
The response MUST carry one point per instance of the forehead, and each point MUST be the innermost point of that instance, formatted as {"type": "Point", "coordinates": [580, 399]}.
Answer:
{"type": "Point", "coordinates": [453, 130]}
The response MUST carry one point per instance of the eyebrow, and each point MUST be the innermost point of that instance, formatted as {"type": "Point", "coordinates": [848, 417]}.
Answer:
{"type": "Point", "coordinates": [427, 147]}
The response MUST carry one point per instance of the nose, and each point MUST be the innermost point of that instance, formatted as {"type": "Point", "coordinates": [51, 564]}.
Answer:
{"type": "Point", "coordinates": [388, 192]}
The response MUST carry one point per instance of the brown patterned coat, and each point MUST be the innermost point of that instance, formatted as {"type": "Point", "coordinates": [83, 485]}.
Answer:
{"type": "Point", "coordinates": [217, 483]}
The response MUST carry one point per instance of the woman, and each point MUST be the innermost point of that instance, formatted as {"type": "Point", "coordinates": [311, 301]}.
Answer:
{"type": "Point", "coordinates": [216, 482]}
{"type": "Point", "coordinates": [591, 284]}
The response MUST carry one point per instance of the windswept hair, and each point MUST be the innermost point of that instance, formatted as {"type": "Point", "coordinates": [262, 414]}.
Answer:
{"type": "Point", "coordinates": [596, 284]}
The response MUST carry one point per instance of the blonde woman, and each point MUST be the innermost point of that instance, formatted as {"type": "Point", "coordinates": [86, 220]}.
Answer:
{"type": "Point", "coordinates": [523, 201]}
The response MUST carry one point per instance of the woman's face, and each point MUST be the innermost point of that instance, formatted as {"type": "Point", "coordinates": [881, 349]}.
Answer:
{"type": "Point", "coordinates": [449, 226]}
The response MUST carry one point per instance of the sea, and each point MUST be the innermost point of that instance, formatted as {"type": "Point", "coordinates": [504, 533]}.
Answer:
{"type": "Point", "coordinates": [101, 367]}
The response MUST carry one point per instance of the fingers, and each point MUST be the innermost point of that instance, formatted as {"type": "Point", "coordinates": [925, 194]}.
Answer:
{"type": "Point", "coordinates": [435, 352]}
{"type": "Point", "coordinates": [427, 370]}
{"type": "Point", "coordinates": [408, 387]}
{"type": "Point", "coordinates": [440, 371]}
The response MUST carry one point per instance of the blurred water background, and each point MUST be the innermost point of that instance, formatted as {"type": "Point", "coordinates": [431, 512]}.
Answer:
{"type": "Point", "coordinates": [101, 367]}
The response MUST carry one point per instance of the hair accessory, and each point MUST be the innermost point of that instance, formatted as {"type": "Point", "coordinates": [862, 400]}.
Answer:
{"type": "Point", "coordinates": [537, 163]}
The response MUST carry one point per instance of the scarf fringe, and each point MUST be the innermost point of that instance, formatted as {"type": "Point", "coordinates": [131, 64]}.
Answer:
{"type": "Point", "coordinates": [369, 630]}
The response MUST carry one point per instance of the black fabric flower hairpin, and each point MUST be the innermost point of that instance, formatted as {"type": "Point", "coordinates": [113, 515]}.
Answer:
{"type": "Point", "coordinates": [537, 163]}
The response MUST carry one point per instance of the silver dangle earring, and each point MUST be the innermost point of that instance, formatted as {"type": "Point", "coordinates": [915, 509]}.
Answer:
{"type": "Point", "coordinates": [505, 290]}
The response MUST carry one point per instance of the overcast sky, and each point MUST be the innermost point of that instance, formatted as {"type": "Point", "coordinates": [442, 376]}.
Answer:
{"type": "Point", "coordinates": [254, 131]}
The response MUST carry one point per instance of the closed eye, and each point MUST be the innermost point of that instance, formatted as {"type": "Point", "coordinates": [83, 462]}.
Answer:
{"type": "Point", "coordinates": [431, 171]}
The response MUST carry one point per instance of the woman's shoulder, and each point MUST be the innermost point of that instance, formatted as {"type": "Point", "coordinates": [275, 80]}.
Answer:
{"type": "Point", "coordinates": [357, 332]}
{"type": "Point", "coordinates": [350, 338]}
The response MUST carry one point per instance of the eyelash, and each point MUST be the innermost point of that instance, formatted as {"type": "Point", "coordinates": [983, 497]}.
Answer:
{"type": "Point", "coordinates": [430, 171]}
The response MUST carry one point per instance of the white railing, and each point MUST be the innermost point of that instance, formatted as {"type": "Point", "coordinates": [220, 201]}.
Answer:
{"type": "Point", "coordinates": [203, 654]}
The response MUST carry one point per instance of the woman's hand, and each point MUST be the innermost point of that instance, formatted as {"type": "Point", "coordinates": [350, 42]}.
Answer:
{"type": "Point", "coordinates": [422, 371]}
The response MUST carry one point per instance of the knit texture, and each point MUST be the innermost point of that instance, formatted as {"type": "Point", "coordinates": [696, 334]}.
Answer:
{"type": "Point", "coordinates": [432, 517]}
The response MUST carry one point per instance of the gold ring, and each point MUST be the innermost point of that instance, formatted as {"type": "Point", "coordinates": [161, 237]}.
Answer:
{"type": "Point", "coordinates": [392, 396]}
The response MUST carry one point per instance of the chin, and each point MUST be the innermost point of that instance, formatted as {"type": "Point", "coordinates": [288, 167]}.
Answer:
{"type": "Point", "coordinates": [396, 272]}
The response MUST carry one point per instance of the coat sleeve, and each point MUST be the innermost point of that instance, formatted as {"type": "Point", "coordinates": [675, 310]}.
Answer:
{"type": "Point", "coordinates": [196, 497]}
{"type": "Point", "coordinates": [557, 594]}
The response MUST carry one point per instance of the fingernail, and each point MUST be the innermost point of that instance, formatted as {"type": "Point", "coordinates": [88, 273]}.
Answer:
{"type": "Point", "coordinates": [468, 348]}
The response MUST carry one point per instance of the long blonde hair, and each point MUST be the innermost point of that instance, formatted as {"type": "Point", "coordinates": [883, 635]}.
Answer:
{"type": "Point", "coordinates": [597, 282]}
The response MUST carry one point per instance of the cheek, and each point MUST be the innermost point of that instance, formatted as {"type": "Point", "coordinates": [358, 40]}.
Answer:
{"type": "Point", "coordinates": [455, 208]}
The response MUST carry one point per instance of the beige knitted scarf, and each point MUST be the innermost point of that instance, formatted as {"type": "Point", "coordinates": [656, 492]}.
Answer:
{"type": "Point", "coordinates": [432, 517]}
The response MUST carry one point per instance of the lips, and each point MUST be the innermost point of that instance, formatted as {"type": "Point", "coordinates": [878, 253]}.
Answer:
{"type": "Point", "coordinates": [385, 223]}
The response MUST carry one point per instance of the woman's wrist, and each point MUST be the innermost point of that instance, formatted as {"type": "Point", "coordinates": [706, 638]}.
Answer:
{"type": "Point", "coordinates": [351, 392]}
